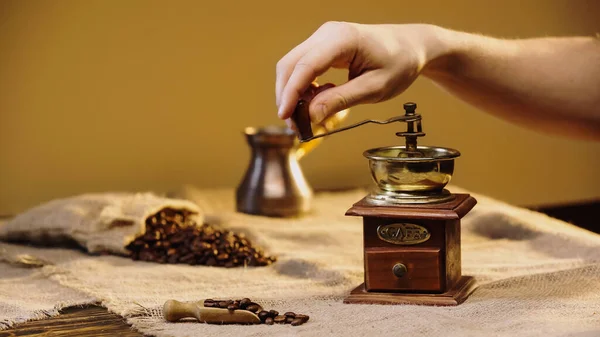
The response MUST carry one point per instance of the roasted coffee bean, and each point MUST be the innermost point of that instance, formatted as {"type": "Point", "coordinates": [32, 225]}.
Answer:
{"type": "Point", "coordinates": [172, 237]}
{"type": "Point", "coordinates": [211, 261]}
{"type": "Point", "coordinates": [225, 304]}
{"type": "Point", "coordinates": [244, 303]}
{"type": "Point", "coordinates": [252, 307]}
{"type": "Point", "coordinates": [178, 238]}
{"type": "Point", "coordinates": [303, 318]}
{"type": "Point", "coordinates": [263, 315]}
{"type": "Point", "coordinates": [187, 258]}
{"type": "Point", "coordinates": [266, 317]}
{"type": "Point", "coordinates": [297, 321]}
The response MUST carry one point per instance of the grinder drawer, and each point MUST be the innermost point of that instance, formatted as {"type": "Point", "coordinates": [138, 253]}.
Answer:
{"type": "Point", "coordinates": [417, 269]}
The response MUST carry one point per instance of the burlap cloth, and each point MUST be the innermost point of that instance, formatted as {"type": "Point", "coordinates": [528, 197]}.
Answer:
{"type": "Point", "coordinates": [538, 277]}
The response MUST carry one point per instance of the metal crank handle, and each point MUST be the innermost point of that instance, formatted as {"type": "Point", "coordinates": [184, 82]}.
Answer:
{"type": "Point", "coordinates": [410, 118]}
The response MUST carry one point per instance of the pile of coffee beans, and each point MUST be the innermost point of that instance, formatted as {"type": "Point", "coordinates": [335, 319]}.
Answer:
{"type": "Point", "coordinates": [172, 236]}
{"type": "Point", "coordinates": [267, 317]}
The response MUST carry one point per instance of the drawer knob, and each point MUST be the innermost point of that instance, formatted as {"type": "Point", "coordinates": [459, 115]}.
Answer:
{"type": "Point", "coordinates": [399, 269]}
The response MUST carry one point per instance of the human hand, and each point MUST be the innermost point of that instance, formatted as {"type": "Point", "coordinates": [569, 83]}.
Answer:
{"type": "Point", "coordinates": [382, 62]}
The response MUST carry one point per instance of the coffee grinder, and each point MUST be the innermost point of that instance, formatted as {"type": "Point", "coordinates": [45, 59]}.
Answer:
{"type": "Point", "coordinates": [411, 223]}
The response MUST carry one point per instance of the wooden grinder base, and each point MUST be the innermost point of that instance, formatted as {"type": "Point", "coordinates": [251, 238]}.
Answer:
{"type": "Point", "coordinates": [432, 266]}
{"type": "Point", "coordinates": [455, 296]}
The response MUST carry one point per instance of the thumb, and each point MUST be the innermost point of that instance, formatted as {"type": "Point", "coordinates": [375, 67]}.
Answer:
{"type": "Point", "coordinates": [362, 89]}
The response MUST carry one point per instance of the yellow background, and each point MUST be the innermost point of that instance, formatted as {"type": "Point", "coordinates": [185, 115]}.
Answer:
{"type": "Point", "coordinates": [149, 95]}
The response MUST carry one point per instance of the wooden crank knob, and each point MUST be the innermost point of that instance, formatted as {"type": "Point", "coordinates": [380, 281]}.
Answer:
{"type": "Point", "coordinates": [301, 118]}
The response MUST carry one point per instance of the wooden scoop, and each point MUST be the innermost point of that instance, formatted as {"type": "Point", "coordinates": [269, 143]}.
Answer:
{"type": "Point", "coordinates": [174, 310]}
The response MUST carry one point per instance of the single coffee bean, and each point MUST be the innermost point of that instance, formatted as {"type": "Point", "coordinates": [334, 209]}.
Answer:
{"type": "Point", "coordinates": [263, 315]}
{"type": "Point", "coordinates": [297, 321]}
{"type": "Point", "coordinates": [178, 238]}
{"type": "Point", "coordinates": [252, 308]}
{"type": "Point", "coordinates": [224, 304]}
{"type": "Point", "coordinates": [290, 314]}
{"type": "Point", "coordinates": [273, 313]}
{"type": "Point", "coordinates": [279, 319]}
{"type": "Point", "coordinates": [244, 303]}
{"type": "Point", "coordinates": [269, 321]}
{"type": "Point", "coordinates": [304, 318]}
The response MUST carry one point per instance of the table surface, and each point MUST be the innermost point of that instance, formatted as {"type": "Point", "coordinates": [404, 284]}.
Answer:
{"type": "Point", "coordinates": [97, 321]}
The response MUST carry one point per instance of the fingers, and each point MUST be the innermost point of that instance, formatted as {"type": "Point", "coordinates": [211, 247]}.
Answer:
{"type": "Point", "coordinates": [331, 45]}
{"type": "Point", "coordinates": [363, 89]}
{"type": "Point", "coordinates": [308, 67]}
{"type": "Point", "coordinates": [308, 97]}
{"type": "Point", "coordinates": [285, 67]}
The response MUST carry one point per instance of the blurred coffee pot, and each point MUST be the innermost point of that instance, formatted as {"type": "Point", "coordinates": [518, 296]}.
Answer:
{"type": "Point", "coordinates": [274, 184]}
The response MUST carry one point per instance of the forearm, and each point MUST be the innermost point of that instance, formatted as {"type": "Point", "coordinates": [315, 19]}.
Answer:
{"type": "Point", "coordinates": [551, 84]}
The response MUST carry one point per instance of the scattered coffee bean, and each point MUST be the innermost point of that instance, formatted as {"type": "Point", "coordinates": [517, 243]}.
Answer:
{"type": "Point", "coordinates": [252, 308]}
{"type": "Point", "coordinates": [304, 318]}
{"type": "Point", "coordinates": [267, 317]}
{"type": "Point", "coordinates": [263, 315]}
{"type": "Point", "coordinates": [173, 237]}
{"type": "Point", "coordinates": [244, 303]}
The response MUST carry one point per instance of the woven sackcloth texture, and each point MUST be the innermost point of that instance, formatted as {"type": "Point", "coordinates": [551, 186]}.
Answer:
{"type": "Point", "coordinates": [538, 276]}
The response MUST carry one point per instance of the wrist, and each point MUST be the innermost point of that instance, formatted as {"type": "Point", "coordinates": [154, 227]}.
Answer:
{"type": "Point", "coordinates": [442, 50]}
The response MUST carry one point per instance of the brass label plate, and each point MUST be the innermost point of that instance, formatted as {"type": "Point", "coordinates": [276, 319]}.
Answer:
{"type": "Point", "coordinates": [403, 233]}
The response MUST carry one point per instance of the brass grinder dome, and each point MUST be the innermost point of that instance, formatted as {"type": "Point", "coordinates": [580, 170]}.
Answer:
{"type": "Point", "coordinates": [415, 176]}
{"type": "Point", "coordinates": [393, 170]}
